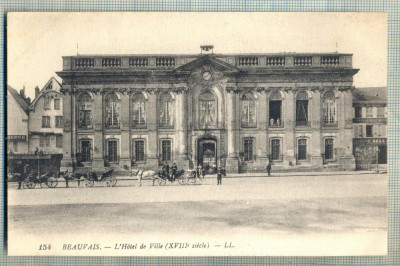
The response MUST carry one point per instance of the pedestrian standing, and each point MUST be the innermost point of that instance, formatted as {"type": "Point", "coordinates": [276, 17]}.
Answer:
{"type": "Point", "coordinates": [174, 168]}
{"type": "Point", "coordinates": [167, 170]}
{"type": "Point", "coordinates": [219, 176]}
{"type": "Point", "coordinates": [269, 168]}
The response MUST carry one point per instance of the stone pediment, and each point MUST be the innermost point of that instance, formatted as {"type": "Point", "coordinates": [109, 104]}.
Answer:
{"type": "Point", "coordinates": [207, 61]}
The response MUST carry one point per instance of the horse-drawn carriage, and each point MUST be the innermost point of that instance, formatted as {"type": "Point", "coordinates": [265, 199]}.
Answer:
{"type": "Point", "coordinates": [90, 178]}
{"type": "Point", "coordinates": [33, 179]}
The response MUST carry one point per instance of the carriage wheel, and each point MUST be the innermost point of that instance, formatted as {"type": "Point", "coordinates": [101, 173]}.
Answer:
{"type": "Point", "coordinates": [52, 183]}
{"type": "Point", "coordinates": [89, 183]}
{"type": "Point", "coordinates": [29, 184]}
{"type": "Point", "coordinates": [42, 184]}
{"type": "Point", "coordinates": [182, 180]}
{"type": "Point", "coordinates": [161, 182]}
{"type": "Point", "coordinates": [107, 182]}
{"type": "Point", "coordinates": [113, 180]}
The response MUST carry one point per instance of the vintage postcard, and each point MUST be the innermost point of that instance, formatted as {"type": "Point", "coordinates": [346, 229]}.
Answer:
{"type": "Point", "coordinates": [196, 134]}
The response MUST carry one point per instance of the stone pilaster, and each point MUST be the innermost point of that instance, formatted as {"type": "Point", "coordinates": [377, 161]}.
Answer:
{"type": "Point", "coordinates": [232, 164]}
{"type": "Point", "coordinates": [262, 121]}
{"type": "Point", "coordinates": [290, 124]}
{"type": "Point", "coordinates": [181, 129]}
{"type": "Point", "coordinates": [315, 141]}
{"type": "Point", "coordinates": [125, 158]}
{"type": "Point", "coordinates": [98, 143]}
{"type": "Point", "coordinates": [66, 162]}
{"type": "Point", "coordinates": [152, 156]}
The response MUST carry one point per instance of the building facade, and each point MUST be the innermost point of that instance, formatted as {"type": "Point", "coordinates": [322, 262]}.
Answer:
{"type": "Point", "coordinates": [237, 111]}
{"type": "Point", "coordinates": [17, 130]}
{"type": "Point", "coordinates": [370, 123]}
{"type": "Point", "coordinates": [46, 126]}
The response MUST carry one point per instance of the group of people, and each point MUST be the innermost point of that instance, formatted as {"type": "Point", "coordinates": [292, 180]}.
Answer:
{"type": "Point", "coordinates": [165, 171]}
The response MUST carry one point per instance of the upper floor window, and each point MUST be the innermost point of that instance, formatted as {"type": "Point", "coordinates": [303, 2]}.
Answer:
{"type": "Point", "coordinates": [166, 110]}
{"type": "Point", "coordinates": [59, 121]}
{"type": "Point", "coordinates": [369, 112]}
{"type": "Point", "coordinates": [46, 121]}
{"type": "Point", "coordinates": [85, 108]}
{"type": "Point", "coordinates": [302, 108]}
{"type": "Point", "coordinates": [369, 132]}
{"type": "Point", "coordinates": [112, 110]}
{"type": "Point", "coordinates": [248, 110]}
{"type": "Point", "coordinates": [381, 112]}
{"type": "Point", "coordinates": [138, 110]}
{"type": "Point", "coordinates": [57, 104]}
{"type": "Point", "coordinates": [59, 141]}
{"type": "Point", "coordinates": [44, 141]}
{"type": "Point", "coordinates": [46, 103]}
{"type": "Point", "coordinates": [329, 108]}
{"type": "Point", "coordinates": [208, 109]}
{"type": "Point", "coordinates": [358, 112]}
{"type": "Point", "coordinates": [358, 131]}
{"type": "Point", "coordinates": [275, 109]}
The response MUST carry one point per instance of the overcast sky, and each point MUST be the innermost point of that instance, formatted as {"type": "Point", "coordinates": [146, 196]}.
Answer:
{"type": "Point", "coordinates": [37, 41]}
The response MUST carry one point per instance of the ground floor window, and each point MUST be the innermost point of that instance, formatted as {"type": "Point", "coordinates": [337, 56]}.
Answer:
{"type": "Point", "coordinates": [86, 150]}
{"type": "Point", "coordinates": [275, 149]}
{"type": "Point", "coordinates": [138, 149]}
{"type": "Point", "coordinates": [166, 153]}
{"type": "Point", "coordinates": [248, 149]}
{"type": "Point", "coordinates": [302, 149]}
{"type": "Point", "coordinates": [329, 149]}
{"type": "Point", "coordinates": [112, 150]}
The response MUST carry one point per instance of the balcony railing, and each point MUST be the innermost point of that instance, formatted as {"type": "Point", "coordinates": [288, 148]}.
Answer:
{"type": "Point", "coordinates": [283, 60]}
{"type": "Point", "coordinates": [275, 124]}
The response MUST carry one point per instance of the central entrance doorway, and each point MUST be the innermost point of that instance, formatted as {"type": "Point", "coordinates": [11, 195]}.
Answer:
{"type": "Point", "coordinates": [207, 154]}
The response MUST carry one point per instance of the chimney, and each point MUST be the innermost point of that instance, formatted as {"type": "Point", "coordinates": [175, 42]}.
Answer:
{"type": "Point", "coordinates": [22, 92]}
{"type": "Point", "coordinates": [28, 100]}
{"type": "Point", "coordinates": [37, 90]}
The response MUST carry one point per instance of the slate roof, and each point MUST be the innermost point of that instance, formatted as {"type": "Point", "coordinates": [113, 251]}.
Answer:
{"type": "Point", "coordinates": [370, 94]}
{"type": "Point", "coordinates": [21, 102]}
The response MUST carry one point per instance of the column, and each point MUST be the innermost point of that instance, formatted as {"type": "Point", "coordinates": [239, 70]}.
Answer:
{"type": "Point", "coordinates": [152, 156]}
{"type": "Point", "coordinates": [66, 162]}
{"type": "Point", "coordinates": [125, 159]}
{"type": "Point", "coordinates": [98, 143]}
{"type": "Point", "coordinates": [315, 142]}
{"type": "Point", "coordinates": [261, 143]}
{"type": "Point", "coordinates": [232, 164]}
{"type": "Point", "coordinates": [347, 160]}
{"type": "Point", "coordinates": [183, 161]}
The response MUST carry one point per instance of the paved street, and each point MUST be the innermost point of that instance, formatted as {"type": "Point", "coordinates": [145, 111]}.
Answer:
{"type": "Point", "coordinates": [292, 206]}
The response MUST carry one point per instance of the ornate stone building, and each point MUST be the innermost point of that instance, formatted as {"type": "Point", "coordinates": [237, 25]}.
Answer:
{"type": "Point", "coordinates": [238, 111]}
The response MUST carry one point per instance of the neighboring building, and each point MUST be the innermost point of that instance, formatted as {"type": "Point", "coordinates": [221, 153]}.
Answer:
{"type": "Point", "coordinates": [46, 126]}
{"type": "Point", "coordinates": [370, 122]}
{"type": "Point", "coordinates": [238, 111]}
{"type": "Point", "coordinates": [17, 130]}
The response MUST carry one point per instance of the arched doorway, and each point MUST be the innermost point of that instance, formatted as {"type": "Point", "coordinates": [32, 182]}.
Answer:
{"type": "Point", "coordinates": [207, 154]}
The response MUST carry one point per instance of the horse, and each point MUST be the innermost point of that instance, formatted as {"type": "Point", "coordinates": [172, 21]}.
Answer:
{"type": "Point", "coordinates": [143, 174]}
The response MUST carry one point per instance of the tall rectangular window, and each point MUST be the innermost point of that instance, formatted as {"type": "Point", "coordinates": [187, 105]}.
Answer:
{"type": "Point", "coordinates": [46, 104]}
{"type": "Point", "coordinates": [139, 150]}
{"type": "Point", "coordinates": [358, 112]}
{"type": "Point", "coordinates": [275, 117]}
{"type": "Point", "coordinates": [44, 141]}
{"type": "Point", "coordinates": [275, 149]}
{"type": "Point", "coordinates": [381, 112]}
{"type": "Point", "coordinates": [328, 149]}
{"type": "Point", "coordinates": [15, 146]}
{"type": "Point", "coordinates": [302, 149]}
{"type": "Point", "coordinates": [370, 112]}
{"type": "Point", "coordinates": [46, 121]}
{"type": "Point", "coordinates": [166, 154]}
{"type": "Point", "coordinates": [112, 150]}
{"type": "Point", "coordinates": [248, 149]}
{"type": "Point", "coordinates": [86, 150]}
{"type": "Point", "coordinates": [358, 131]}
{"type": "Point", "coordinates": [369, 132]}
{"type": "Point", "coordinates": [59, 141]}
{"type": "Point", "coordinates": [57, 104]}
{"type": "Point", "coordinates": [301, 112]}
{"type": "Point", "coordinates": [59, 121]}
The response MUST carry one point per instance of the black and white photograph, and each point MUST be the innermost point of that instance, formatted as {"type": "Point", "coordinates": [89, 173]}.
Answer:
{"type": "Point", "coordinates": [196, 134]}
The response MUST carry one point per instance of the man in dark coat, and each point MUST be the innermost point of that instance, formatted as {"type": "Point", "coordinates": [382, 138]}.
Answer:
{"type": "Point", "coordinates": [166, 170]}
{"type": "Point", "coordinates": [219, 176]}
{"type": "Point", "coordinates": [174, 168]}
{"type": "Point", "coordinates": [269, 168]}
